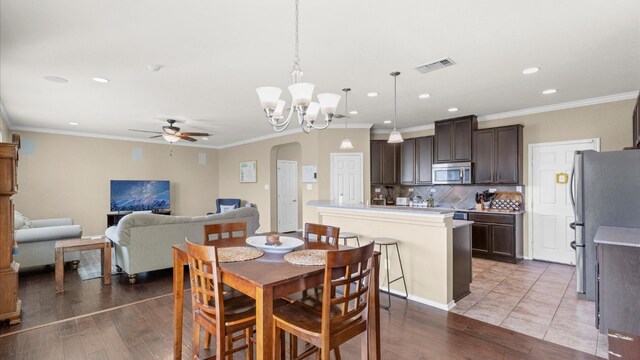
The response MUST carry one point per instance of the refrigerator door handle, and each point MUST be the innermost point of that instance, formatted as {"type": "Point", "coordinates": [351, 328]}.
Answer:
{"type": "Point", "coordinates": [571, 191]}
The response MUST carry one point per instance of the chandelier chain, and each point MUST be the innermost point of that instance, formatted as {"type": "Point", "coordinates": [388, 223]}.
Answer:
{"type": "Point", "coordinates": [296, 59]}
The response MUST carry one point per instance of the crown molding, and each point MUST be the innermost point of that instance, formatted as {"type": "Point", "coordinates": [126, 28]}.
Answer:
{"type": "Point", "coordinates": [5, 116]}
{"type": "Point", "coordinates": [285, 133]}
{"type": "Point", "coordinates": [561, 106]}
{"type": "Point", "coordinates": [530, 111]}
{"type": "Point", "coordinates": [108, 137]}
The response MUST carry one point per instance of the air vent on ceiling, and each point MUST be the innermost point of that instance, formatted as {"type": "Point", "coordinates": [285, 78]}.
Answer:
{"type": "Point", "coordinates": [442, 63]}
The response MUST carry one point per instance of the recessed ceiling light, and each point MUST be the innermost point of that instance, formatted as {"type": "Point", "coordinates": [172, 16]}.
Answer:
{"type": "Point", "coordinates": [550, 91]}
{"type": "Point", "coordinates": [424, 96]}
{"type": "Point", "coordinates": [387, 121]}
{"type": "Point", "coordinates": [353, 112]}
{"type": "Point", "coordinates": [453, 109]}
{"type": "Point", "coordinates": [56, 79]}
{"type": "Point", "coordinates": [205, 138]}
{"type": "Point", "coordinates": [100, 80]}
{"type": "Point", "coordinates": [372, 94]}
{"type": "Point", "coordinates": [74, 123]}
{"type": "Point", "coordinates": [531, 70]}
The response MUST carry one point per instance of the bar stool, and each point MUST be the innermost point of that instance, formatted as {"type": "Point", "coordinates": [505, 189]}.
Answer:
{"type": "Point", "coordinates": [349, 235]}
{"type": "Point", "coordinates": [386, 242]}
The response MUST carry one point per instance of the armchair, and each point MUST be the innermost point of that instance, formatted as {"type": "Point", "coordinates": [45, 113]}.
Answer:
{"type": "Point", "coordinates": [223, 205]}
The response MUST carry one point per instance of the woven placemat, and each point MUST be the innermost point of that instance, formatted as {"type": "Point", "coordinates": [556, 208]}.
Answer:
{"type": "Point", "coordinates": [307, 257]}
{"type": "Point", "coordinates": [238, 253]}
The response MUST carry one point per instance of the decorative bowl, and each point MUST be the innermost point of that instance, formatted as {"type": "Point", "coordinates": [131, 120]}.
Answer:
{"type": "Point", "coordinates": [287, 244]}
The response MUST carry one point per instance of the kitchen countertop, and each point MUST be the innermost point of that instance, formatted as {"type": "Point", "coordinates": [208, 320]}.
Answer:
{"type": "Point", "coordinates": [486, 211]}
{"type": "Point", "coordinates": [622, 236]}
{"type": "Point", "coordinates": [442, 212]}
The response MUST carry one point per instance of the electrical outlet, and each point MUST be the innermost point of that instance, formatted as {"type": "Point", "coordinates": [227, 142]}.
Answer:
{"type": "Point", "coordinates": [433, 190]}
{"type": "Point", "coordinates": [410, 189]}
{"type": "Point", "coordinates": [519, 189]}
{"type": "Point", "coordinates": [492, 190]}
{"type": "Point", "coordinates": [378, 190]}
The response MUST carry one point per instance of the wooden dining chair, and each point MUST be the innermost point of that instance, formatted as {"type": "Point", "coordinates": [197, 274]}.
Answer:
{"type": "Point", "coordinates": [222, 231]}
{"type": "Point", "coordinates": [317, 236]}
{"type": "Point", "coordinates": [342, 314]}
{"type": "Point", "coordinates": [213, 311]}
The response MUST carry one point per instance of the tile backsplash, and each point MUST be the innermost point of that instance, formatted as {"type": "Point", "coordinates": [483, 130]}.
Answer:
{"type": "Point", "coordinates": [449, 196]}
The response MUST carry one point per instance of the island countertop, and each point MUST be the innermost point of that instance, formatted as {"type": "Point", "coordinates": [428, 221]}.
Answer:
{"type": "Point", "coordinates": [436, 212]}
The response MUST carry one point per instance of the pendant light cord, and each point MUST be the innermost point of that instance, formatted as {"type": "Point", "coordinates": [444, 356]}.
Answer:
{"type": "Point", "coordinates": [395, 100]}
{"type": "Point", "coordinates": [346, 113]}
{"type": "Point", "coordinates": [296, 59]}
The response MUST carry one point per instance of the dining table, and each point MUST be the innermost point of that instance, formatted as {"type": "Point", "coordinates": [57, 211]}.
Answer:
{"type": "Point", "coordinates": [266, 279]}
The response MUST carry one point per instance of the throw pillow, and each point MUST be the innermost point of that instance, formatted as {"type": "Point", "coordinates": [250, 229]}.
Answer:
{"type": "Point", "coordinates": [22, 221]}
{"type": "Point", "coordinates": [225, 208]}
{"type": "Point", "coordinates": [18, 221]}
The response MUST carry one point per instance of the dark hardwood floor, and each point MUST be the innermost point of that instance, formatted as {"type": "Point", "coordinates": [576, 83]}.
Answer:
{"type": "Point", "coordinates": [144, 329]}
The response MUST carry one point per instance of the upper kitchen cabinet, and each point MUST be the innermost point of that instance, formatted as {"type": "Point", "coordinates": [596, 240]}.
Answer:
{"type": "Point", "coordinates": [497, 155]}
{"type": "Point", "coordinates": [453, 139]}
{"type": "Point", "coordinates": [416, 160]}
{"type": "Point", "coordinates": [385, 159]}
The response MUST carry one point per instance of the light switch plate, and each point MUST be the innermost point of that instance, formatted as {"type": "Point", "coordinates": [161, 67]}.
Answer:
{"type": "Point", "coordinates": [266, 186]}
{"type": "Point", "coordinates": [309, 186]}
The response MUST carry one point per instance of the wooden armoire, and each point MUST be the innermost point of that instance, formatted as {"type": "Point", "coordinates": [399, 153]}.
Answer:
{"type": "Point", "coordinates": [9, 302]}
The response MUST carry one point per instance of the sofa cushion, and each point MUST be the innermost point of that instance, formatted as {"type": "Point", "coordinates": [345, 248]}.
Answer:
{"type": "Point", "coordinates": [25, 235]}
{"type": "Point", "coordinates": [225, 208]}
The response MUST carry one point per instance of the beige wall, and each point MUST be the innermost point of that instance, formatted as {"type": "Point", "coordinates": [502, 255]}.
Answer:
{"type": "Point", "coordinates": [610, 122]}
{"type": "Point", "coordinates": [4, 131]}
{"type": "Point", "coordinates": [316, 148]}
{"type": "Point", "coordinates": [68, 176]}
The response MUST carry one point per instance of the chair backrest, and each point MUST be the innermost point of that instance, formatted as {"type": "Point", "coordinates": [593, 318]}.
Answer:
{"type": "Point", "coordinates": [226, 202]}
{"type": "Point", "coordinates": [206, 281]}
{"type": "Point", "coordinates": [223, 231]}
{"type": "Point", "coordinates": [318, 236]}
{"type": "Point", "coordinates": [349, 270]}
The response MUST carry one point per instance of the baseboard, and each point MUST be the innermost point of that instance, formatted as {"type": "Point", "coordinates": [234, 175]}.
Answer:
{"type": "Point", "coordinates": [421, 300]}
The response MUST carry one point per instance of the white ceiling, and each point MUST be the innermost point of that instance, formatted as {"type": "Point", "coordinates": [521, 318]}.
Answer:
{"type": "Point", "coordinates": [215, 53]}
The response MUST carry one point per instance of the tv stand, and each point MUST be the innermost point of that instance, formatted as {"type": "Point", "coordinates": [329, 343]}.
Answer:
{"type": "Point", "coordinates": [114, 217]}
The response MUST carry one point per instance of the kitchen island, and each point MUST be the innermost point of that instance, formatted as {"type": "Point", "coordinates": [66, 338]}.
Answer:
{"type": "Point", "coordinates": [433, 266]}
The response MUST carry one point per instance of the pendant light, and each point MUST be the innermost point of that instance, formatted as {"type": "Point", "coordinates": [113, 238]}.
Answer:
{"type": "Point", "coordinates": [346, 143]}
{"type": "Point", "coordinates": [395, 136]}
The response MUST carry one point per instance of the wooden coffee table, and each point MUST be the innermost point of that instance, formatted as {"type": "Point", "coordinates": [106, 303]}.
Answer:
{"type": "Point", "coordinates": [103, 244]}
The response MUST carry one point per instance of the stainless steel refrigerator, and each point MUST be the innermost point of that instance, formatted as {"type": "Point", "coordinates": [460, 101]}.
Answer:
{"type": "Point", "coordinates": [605, 190]}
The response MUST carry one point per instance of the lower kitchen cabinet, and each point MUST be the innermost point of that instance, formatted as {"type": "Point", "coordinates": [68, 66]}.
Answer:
{"type": "Point", "coordinates": [497, 236]}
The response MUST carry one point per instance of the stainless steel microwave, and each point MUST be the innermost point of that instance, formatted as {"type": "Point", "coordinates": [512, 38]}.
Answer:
{"type": "Point", "coordinates": [452, 173]}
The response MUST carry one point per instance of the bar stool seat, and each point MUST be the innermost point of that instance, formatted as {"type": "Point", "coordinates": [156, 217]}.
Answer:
{"type": "Point", "coordinates": [349, 235]}
{"type": "Point", "coordinates": [386, 242]}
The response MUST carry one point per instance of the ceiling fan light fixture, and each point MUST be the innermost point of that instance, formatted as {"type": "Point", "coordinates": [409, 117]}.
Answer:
{"type": "Point", "coordinates": [170, 138]}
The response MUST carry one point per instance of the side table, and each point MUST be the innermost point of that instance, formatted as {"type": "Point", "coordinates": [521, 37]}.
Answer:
{"type": "Point", "coordinates": [103, 244]}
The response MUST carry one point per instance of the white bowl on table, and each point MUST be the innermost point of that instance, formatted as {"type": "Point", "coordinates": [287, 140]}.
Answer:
{"type": "Point", "coordinates": [287, 245]}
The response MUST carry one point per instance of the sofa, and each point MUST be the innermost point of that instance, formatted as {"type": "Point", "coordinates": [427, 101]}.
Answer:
{"type": "Point", "coordinates": [143, 241]}
{"type": "Point", "coordinates": [36, 240]}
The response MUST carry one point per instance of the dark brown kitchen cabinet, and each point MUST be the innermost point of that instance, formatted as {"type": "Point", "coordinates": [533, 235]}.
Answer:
{"type": "Point", "coordinates": [385, 159]}
{"type": "Point", "coordinates": [416, 160]}
{"type": "Point", "coordinates": [497, 155]}
{"type": "Point", "coordinates": [424, 160]}
{"type": "Point", "coordinates": [408, 162]}
{"type": "Point", "coordinates": [497, 236]}
{"type": "Point", "coordinates": [454, 139]}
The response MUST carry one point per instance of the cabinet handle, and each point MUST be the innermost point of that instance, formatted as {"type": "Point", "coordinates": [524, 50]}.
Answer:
{"type": "Point", "coordinates": [614, 354]}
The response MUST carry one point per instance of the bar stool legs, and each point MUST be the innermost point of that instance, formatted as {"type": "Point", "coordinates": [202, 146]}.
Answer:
{"type": "Point", "coordinates": [348, 235]}
{"type": "Point", "coordinates": [386, 242]}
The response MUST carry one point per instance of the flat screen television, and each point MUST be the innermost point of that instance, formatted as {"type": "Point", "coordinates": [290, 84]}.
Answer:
{"type": "Point", "coordinates": [140, 195]}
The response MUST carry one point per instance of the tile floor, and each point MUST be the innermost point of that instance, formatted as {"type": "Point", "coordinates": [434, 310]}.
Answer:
{"type": "Point", "coordinates": [534, 298]}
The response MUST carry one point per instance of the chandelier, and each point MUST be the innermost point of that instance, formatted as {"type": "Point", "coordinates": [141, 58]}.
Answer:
{"type": "Point", "coordinates": [346, 142]}
{"type": "Point", "coordinates": [395, 136]}
{"type": "Point", "coordinates": [301, 95]}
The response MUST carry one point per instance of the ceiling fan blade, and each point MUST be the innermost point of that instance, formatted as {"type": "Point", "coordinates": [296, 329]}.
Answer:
{"type": "Point", "coordinates": [183, 137]}
{"type": "Point", "coordinates": [195, 134]}
{"type": "Point", "coordinates": [147, 131]}
{"type": "Point", "coordinates": [155, 136]}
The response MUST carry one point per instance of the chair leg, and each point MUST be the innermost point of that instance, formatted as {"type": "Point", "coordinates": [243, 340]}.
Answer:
{"type": "Point", "coordinates": [277, 342]}
{"type": "Point", "coordinates": [336, 352]}
{"type": "Point", "coordinates": [358, 240]}
{"type": "Point", "coordinates": [195, 342]}
{"type": "Point", "coordinates": [207, 340]}
{"type": "Point", "coordinates": [247, 337]}
{"type": "Point", "coordinates": [402, 272]}
{"type": "Point", "coordinates": [221, 342]}
{"type": "Point", "coordinates": [388, 265]}
{"type": "Point", "coordinates": [230, 346]}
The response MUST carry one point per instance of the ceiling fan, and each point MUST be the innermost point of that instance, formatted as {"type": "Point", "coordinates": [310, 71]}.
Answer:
{"type": "Point", "coordinates": [172, 133]}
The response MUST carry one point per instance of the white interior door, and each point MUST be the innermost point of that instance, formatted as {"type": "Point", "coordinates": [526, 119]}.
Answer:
{"type": "Point", "coordinates": [346, 178]}
{"type": "Point", "coordinates": [551, 211]}
{"type": "Point", "coordinates": [287, 195]}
